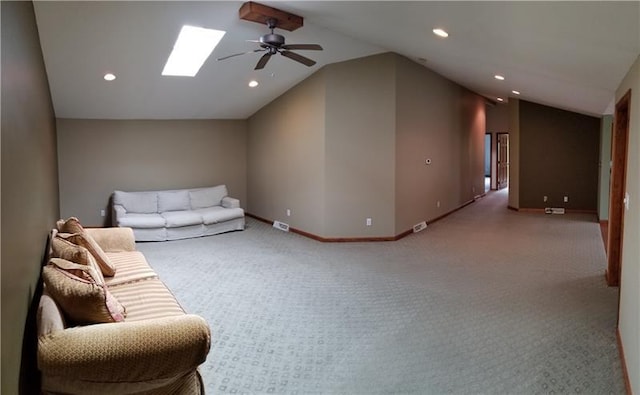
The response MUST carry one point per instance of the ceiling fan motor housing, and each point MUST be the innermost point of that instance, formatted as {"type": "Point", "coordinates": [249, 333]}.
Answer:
{"type": "Point", "coordinates": [272, 39]}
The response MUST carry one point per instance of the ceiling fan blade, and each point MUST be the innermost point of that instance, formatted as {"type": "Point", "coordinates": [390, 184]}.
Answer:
{"type": "Point", "coordinates": [263, 61]}
{"type": "Point", "coordinates": [298, 58]}
{"type": "Point", "coordinates": [311, 47]}
{"type": "Point", "coordinates": [241, 53]}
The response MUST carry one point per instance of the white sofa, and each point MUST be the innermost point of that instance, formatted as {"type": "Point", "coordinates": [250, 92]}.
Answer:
{"type": "Point", "coordinates": [177, 214]}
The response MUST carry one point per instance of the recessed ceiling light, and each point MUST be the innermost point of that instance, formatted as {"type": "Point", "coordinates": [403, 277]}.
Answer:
{"type": "Point", "coordinates": [440, 33]}
{"type": "Point", "coordinates": [253, 83]}
{"type": "Point", "coordinates": [516, 92]}
{"type": "Point", "coordinates": [498, 77]}
{"type": "Point", "coordinates": [109, 77]}
{"type": "Point", "coordinates": [500, 99]}
{"type": "Point", "coordinates": [192, 48]}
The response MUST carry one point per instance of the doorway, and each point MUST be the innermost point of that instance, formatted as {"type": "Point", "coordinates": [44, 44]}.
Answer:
{"type": "Point", "coordinates": [617, 196]}
{"type": "Point", "coordinates": [487, 162]}
{"type": "Point", "coordinates": [502, 151]}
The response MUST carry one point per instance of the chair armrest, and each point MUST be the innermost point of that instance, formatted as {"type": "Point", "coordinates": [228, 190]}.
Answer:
{"type": "Point", "coordinates": [229, 202]}
{"type": "Point", "coordinates": [113, 239]}
{"type": "Point", "coordinates": [128, 351]}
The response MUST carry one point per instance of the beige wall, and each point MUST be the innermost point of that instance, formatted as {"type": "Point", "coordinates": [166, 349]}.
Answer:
{"type": "Point", "coordinates": [436, 119]}
{"type": "Point", "coordinates": [559, 153]}
{"type": "Point", "coordinates": [514, 153]}
{"type": "Point", "coordinates": [604, 164]}
{"type": "Point", "coordinates": [350, 143]}
{"type": "Point", "coordinates": [629, 320]}
{"type": "Point", "coordinates": [360, 152]}
{"type": "Point", "coordinates": [29, 186]}
{"type": "Point", "coordinates": [286, 157]}
{"type": "Point", "coordinates": [97, 157]}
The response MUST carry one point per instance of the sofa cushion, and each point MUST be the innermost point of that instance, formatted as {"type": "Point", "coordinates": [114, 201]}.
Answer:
{"type": "Point", "coordinates": [70, 225]}
{"type": "Point", "coordinates": [177, 219]}
{"type": "Point", "coordinates": [173, 201]}
{"type": "Point", "coordinates": [137, 202]}
{"type": "Point", "coordinates": [207, 197]}
{"type": "Point", "coordinates": [61, 248]}
{"type": "Point", "coordinates": [131, 267]}
{"type": "Point", "coordinates": [213, 215]}
{"type": "Point", "coordinates": [75, 288]}
{"type": "Point", "coordinates": [142, 221]}
{"type": "Point", "coordinates": [85, 240]}
{"type": "Point", "coordinates": [147, 299]}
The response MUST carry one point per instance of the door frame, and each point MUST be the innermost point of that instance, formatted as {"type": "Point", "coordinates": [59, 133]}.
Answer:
{"type": "Point", "coordinates": [619, 148]}
{"type": "Point", "coordinates": [491, 173]}
{"type": "Point", "coordinates": [498, 187]}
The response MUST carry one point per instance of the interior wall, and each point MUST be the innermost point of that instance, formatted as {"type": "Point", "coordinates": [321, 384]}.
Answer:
{"type": "Point", "coordinates": [29, 186]}
{"type": "Point", "coordinates": [286, 156]}
{"type": "Point", "coordinates": [514, 153]}
{"type": "Point", "coordinates": [440, 121]}
{"type": "Point", "coordinates": [604, 164]}
{"type": "Point", "coordinates": [629, 317]}
{"type": "Point", "coordinates": [97, 157]}
{"type": "Point", "coordinates": [559, 153]}
{"type": "Point", "coordinates": [360, 141]}
{"type": "Point", "coordinates": [497, 122]}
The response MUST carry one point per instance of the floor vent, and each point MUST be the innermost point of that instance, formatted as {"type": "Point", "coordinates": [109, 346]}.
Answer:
{"type": "Point", "coordinates": [418, 227]}
{"type": "Point", "coordinates": [281, 226]}
{"type": "Point", "coordinates": [554, 210]}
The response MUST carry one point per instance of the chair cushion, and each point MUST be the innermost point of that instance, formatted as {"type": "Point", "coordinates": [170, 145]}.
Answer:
{"type": "Point", "coordinates": [137, 202]}
{"type": "Point", "coordinates": [213, 215]}
{"type": "Point", "coordinates": [75, 288]}
{"type": "Point", "coordinates": [173, 201]}
{"type": "Point", "coordinates": [142, 221]}
{"type": "Point", "coordinates": [207, 197]}
{"type": "Point", "coordinates": [177, 219]}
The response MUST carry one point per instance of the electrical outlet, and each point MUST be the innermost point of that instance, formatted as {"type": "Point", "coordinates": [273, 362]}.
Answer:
{"type": "Point", "coordinates": [566, 199]}
{"type": "Point", "coordinates": [368, 222]}
{"type": "Point", "coordinates": [545, 198]}
{"type": "Point", "coordinates": [288, 213]}
{"type": "Point", "coordinates": [102, 213]}
{"type": "Point", "coordinates": [438, 203]}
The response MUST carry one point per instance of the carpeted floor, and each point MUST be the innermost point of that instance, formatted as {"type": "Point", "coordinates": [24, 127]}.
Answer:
{"type": "Point", "coordinates": [486, 301]}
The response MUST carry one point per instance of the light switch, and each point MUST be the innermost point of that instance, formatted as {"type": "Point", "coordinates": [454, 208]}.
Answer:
{"type": "Point", "coordinates": [626, 201]}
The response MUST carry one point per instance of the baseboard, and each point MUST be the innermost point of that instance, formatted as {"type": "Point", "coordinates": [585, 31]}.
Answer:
{"type": "Point", "coordinates": [357, 239]}
{"type": "Point", "coordinates": [623, 363]}
{"type": "Point", "coordinates": [541, 210]}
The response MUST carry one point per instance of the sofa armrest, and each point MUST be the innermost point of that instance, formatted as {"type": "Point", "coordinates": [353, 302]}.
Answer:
{"type": "Point", "coordinates": [113, 239]}
{"type": "Point", "coordinates": [126, 352]}
{"type": "Point", "coordinates": [229, 202]}
{"type": "Point", "coordinates": [118, 211]}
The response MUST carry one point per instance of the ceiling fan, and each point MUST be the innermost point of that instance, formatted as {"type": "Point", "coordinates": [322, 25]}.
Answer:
{"type": "Point", "coordinates": [274, 43]}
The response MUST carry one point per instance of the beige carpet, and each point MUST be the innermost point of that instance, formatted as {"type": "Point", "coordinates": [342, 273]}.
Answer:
{"type": "Point", "coordinates": [486, 300]}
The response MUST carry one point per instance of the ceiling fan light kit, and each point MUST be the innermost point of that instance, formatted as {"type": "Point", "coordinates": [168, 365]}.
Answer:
{"type": "Point", "coordinates": [273, 43]}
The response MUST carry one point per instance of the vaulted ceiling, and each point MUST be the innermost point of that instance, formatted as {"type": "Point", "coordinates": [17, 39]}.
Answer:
{"type": "Point", "coordinates": [571, 55]}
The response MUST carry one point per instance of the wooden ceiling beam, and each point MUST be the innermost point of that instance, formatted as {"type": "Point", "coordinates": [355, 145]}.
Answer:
{"type": "Point", "coordinates": [260, 13]}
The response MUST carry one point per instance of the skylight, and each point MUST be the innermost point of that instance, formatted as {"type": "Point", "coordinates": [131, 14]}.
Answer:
{"type": "Point", "coordinates": [192, 48]}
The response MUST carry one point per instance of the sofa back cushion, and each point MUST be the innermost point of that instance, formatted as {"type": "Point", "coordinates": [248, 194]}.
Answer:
{"type": "Point", "coordinates": [75, 289]}
{"type": "Point", "coordinates": [137, 202]}
{"type": "Point", "coordinates": [207, 197]}
{"type": "Point", "coordinates": [173, 201]}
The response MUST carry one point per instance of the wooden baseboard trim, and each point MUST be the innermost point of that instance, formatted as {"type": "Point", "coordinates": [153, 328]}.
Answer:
{"type": "Point", "coordinates": [357, 239]}
{"type": "Point", "coordinates": [512, 208]}
{"type": "Point", "coordinates": [623, 362]}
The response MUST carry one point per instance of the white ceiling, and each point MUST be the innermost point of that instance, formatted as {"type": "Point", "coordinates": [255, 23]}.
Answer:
{"type": "Point", "coordinates": [570, 55]}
